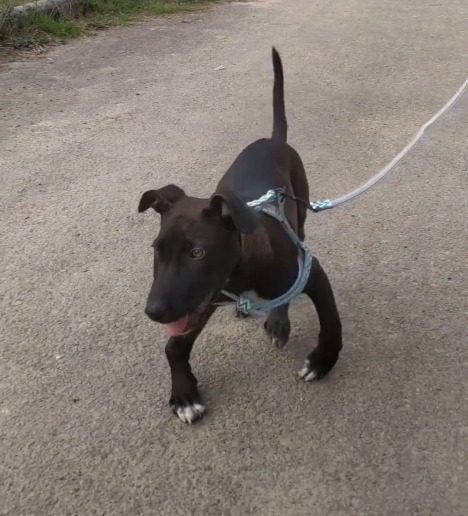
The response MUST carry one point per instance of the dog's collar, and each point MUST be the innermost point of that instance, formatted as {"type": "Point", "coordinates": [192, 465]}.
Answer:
{"type": "Point", "coordinates": [272, 204]}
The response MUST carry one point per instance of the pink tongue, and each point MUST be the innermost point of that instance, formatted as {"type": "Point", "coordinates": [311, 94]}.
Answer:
{"type": "Point", "coordinates": [178, 327]}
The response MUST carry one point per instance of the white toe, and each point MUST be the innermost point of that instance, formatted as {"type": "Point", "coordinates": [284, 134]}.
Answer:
{"type": "Point", "coordinates": [190, 413]}
{"type": "Point", "coordinates": [311, 376]}
{"type": "Point", "coordinates": [305, 370]}
{"type": "Point", "coordinates": [181, 414]}
{"type": "Point", "coordinates": [199, 408]}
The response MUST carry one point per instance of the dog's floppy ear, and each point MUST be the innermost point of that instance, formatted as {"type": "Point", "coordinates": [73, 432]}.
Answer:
{"type": "Point", "coordinates": [160, 200]}
{"type": "Point", "coordinates": [234, 212]}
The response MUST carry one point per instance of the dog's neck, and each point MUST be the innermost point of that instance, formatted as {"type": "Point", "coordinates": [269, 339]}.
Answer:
{"type": "Point", "coordinates": [264, 264]}
{"type": "Point", "coordinates": [256, 249]}
{"type": "Point", "coordinates": [256, 253]}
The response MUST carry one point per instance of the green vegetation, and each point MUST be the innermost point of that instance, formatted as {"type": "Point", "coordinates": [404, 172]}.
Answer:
{"type": "Point", "coordinates": [36, 29]}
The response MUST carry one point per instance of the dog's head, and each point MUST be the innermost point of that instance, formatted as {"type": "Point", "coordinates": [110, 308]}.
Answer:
{"type": "Point", "coordinates": [195, 252]}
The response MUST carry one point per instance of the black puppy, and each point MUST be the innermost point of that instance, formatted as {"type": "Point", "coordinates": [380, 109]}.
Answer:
{"type": "Point", "coordinates": [208, 245]}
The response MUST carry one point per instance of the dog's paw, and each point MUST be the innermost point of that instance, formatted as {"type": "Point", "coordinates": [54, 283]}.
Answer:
{"type": "Point", "coordinates": [185, 400]}
{"type": "Point", "coordinates": [307, 373]}
{"type": "Point", "coordinates": [277, 331]}
{"type": "Point", "coordinates": [188, 413]}
{"type": "Point", "coordinates": [317, 365]}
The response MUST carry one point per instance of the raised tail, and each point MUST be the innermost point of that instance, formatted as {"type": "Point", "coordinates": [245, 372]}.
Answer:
{"type": "Point", "coordinates": [280, 124]}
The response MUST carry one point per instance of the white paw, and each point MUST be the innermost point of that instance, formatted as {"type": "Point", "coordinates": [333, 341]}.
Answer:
{"type": "Point", "coordinates": [306, 373]}
{"type": "Point", "coordinates": [275, 342]}
{"type": "Point", "coordinates": [190, 413]}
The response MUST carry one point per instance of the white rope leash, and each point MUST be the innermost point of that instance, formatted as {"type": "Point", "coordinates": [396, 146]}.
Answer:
{"type": "Point", "coordinates": [326, 205]}
{"type": "Point", "coordinates": [272, 204]}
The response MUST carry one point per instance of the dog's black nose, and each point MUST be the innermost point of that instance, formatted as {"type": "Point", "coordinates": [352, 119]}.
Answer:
{"type": "Point", "coordinates": [155, 310]}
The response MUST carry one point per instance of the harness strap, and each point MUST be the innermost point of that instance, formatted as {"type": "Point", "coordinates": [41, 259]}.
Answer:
{"type": "Point", "coordinates": [272, 204]}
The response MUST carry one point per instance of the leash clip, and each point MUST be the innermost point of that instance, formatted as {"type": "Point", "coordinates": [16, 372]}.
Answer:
{"type": "Point", "coordinates": [321, 205]}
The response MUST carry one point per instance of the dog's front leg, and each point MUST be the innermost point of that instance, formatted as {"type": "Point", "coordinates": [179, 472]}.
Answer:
{"type": "Point", "coordinates": [324, 356]}
{"type": "Point", "coordinates": [185, 399]}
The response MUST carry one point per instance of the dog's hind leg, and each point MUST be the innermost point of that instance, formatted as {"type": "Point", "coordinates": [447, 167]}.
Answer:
{"type": "Point", "coordinates": [300, 189]}
{"type": "Point", "coordinates": [278, 326]}
{"type": "Point", "coordinates": [185, 399]}
{"type": "Point", "coordinates": [324, 356]}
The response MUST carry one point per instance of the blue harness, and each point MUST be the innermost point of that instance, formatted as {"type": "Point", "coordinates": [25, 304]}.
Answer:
{"type": "Point", "coordinates": [272, 204]}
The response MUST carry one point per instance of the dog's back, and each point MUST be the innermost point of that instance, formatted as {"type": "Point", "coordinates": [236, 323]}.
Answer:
{"type": "Point", "coordinates": [270, 163]}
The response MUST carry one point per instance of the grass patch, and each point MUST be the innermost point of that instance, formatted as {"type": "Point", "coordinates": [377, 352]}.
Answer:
{"type": "Point", "coordinates": [37, 29]}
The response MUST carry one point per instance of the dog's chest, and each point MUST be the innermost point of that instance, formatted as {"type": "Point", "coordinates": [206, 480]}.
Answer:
{"type": "Point", "coordinates": [253, 296]}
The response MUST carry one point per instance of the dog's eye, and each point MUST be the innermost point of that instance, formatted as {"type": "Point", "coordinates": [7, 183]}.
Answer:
{"type": "Point", "coordinates": [197, 254]}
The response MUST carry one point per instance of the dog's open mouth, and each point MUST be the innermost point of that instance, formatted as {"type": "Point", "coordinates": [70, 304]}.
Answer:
{"type": "Point", "coordinates": [177, 327]}
{"type": "Point", "coordinates": [186, 323]}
